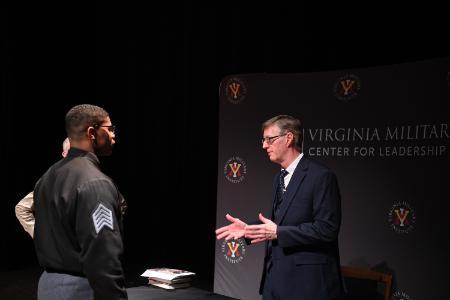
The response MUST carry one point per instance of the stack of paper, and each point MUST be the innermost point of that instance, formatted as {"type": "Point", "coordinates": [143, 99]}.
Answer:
{"type": "Point", "coordinates": [167, 278]}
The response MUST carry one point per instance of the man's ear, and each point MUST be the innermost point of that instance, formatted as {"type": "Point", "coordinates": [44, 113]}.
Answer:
{"type": "Point", "coordinates": [290, 138]}
{"type": "Point", "coordinates": [91, 133]}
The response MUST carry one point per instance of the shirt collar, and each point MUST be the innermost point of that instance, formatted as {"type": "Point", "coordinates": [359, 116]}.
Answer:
{"type": "Point", "coordinates": [294, 164]}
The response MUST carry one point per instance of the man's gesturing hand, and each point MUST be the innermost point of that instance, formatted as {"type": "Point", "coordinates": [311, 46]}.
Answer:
{"type": "Point", "coordinates": [235, 230]}
{"type": "Point", "coordinates": [262, 232]}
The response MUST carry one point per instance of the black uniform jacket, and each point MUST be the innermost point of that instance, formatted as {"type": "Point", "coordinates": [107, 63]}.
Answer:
{"type": "Point", "coordinates": [78, 226]}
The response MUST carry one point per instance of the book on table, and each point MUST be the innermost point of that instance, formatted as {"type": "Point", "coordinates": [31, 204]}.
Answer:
{"type": "Point", "coordinates": [168, 278]}
{"type": "Point", "coordinates": [169, 286]}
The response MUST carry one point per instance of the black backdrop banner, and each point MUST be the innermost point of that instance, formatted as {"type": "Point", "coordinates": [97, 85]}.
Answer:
{"type": "Point", "coordinates": [386, 134]}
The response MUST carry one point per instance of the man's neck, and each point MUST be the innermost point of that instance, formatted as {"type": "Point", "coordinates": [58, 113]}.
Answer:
{"type": "Point", "coordinates": [291, 155]}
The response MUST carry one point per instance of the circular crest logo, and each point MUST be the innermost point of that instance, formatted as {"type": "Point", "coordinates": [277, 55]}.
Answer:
{"type": "Point", "coordinates": [233, 250]}
{"type": "Point", "coordinates": [402, 218]}
{"type": "Point", "coordinates": [347, 87]}
{"type": "Point", "coordinates": [235, 169]}
{"type": "Point", "coordinates": [235, 90]}
{"type": "Point", "coordinates": [400, 296]}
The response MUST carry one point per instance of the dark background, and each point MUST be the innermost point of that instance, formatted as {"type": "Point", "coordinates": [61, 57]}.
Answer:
{"type": "Point", "coordinates": [157, 69]}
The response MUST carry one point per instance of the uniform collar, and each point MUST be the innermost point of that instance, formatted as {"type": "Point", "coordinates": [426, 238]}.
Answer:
{"type": "Point", "coordinates": [76, 152]}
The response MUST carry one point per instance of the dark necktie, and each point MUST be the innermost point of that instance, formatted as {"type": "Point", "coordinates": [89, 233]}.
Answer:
{"type": "Point", "coordinates": [281, 189]}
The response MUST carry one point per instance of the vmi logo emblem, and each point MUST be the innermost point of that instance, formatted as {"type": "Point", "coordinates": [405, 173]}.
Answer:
{"type": "Point", "coordinates": [235, 169]}
{"type": "Point", "coordinates": [400, 296]}
{"type": "Point", "coordinates": [347, 87]}
{"type": "Point", "coordinates": [402, 217]}
{"type": "Point", "coordinates": [233, 251]}
{"type": "Point", "coordinates": [235, 90]}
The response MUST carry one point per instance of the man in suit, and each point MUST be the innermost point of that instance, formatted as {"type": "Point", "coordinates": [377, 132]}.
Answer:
{"type": "Point", "coordinates": [301, 234]}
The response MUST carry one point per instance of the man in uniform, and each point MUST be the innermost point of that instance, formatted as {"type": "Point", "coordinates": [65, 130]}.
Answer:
{"type": "Point", "coordinates": [78, 229]}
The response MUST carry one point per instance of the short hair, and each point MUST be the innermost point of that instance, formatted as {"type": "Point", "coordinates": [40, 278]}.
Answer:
{"type": "Point", "coordinates": [287, 124]}
{"type": "Point", "coordinates": [80, 117]}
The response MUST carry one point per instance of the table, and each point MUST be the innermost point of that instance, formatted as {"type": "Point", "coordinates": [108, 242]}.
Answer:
{"type": "Point", "coordinates": [155, 293]}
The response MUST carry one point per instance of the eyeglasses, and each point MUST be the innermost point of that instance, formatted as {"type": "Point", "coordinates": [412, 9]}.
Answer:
{"type": "Point", "coordinates": [271, 139]}
{"type": "Point", "coordinates": [111, 128]}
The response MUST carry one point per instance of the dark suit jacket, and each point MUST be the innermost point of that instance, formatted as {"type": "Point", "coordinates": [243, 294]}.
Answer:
{"type": "Point", "coordinates": [305, 257]}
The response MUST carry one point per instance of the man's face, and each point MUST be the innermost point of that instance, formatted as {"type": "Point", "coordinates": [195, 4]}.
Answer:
{"type": "Point", "coordinates": [274, 142]}
{"type": "Point", "coordinates": [104, 139]}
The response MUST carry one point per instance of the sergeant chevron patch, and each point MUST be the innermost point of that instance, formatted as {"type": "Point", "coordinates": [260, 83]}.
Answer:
{"type": "Point", "coordinates": [102, 217]}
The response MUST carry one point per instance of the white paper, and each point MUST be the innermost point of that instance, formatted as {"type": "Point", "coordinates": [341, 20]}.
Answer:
{"type": "Point", "coordinates": [166, 273]}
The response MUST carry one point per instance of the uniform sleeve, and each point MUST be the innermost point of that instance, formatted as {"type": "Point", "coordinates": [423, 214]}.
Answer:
{"type": "Point", "coordinates": [24, 213]}
{"type": "Point", "coordinates": [98, 233]}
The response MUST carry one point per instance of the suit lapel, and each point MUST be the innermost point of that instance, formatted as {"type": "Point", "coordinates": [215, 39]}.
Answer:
{"type": "Point", "coordinates": [295, 182]}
